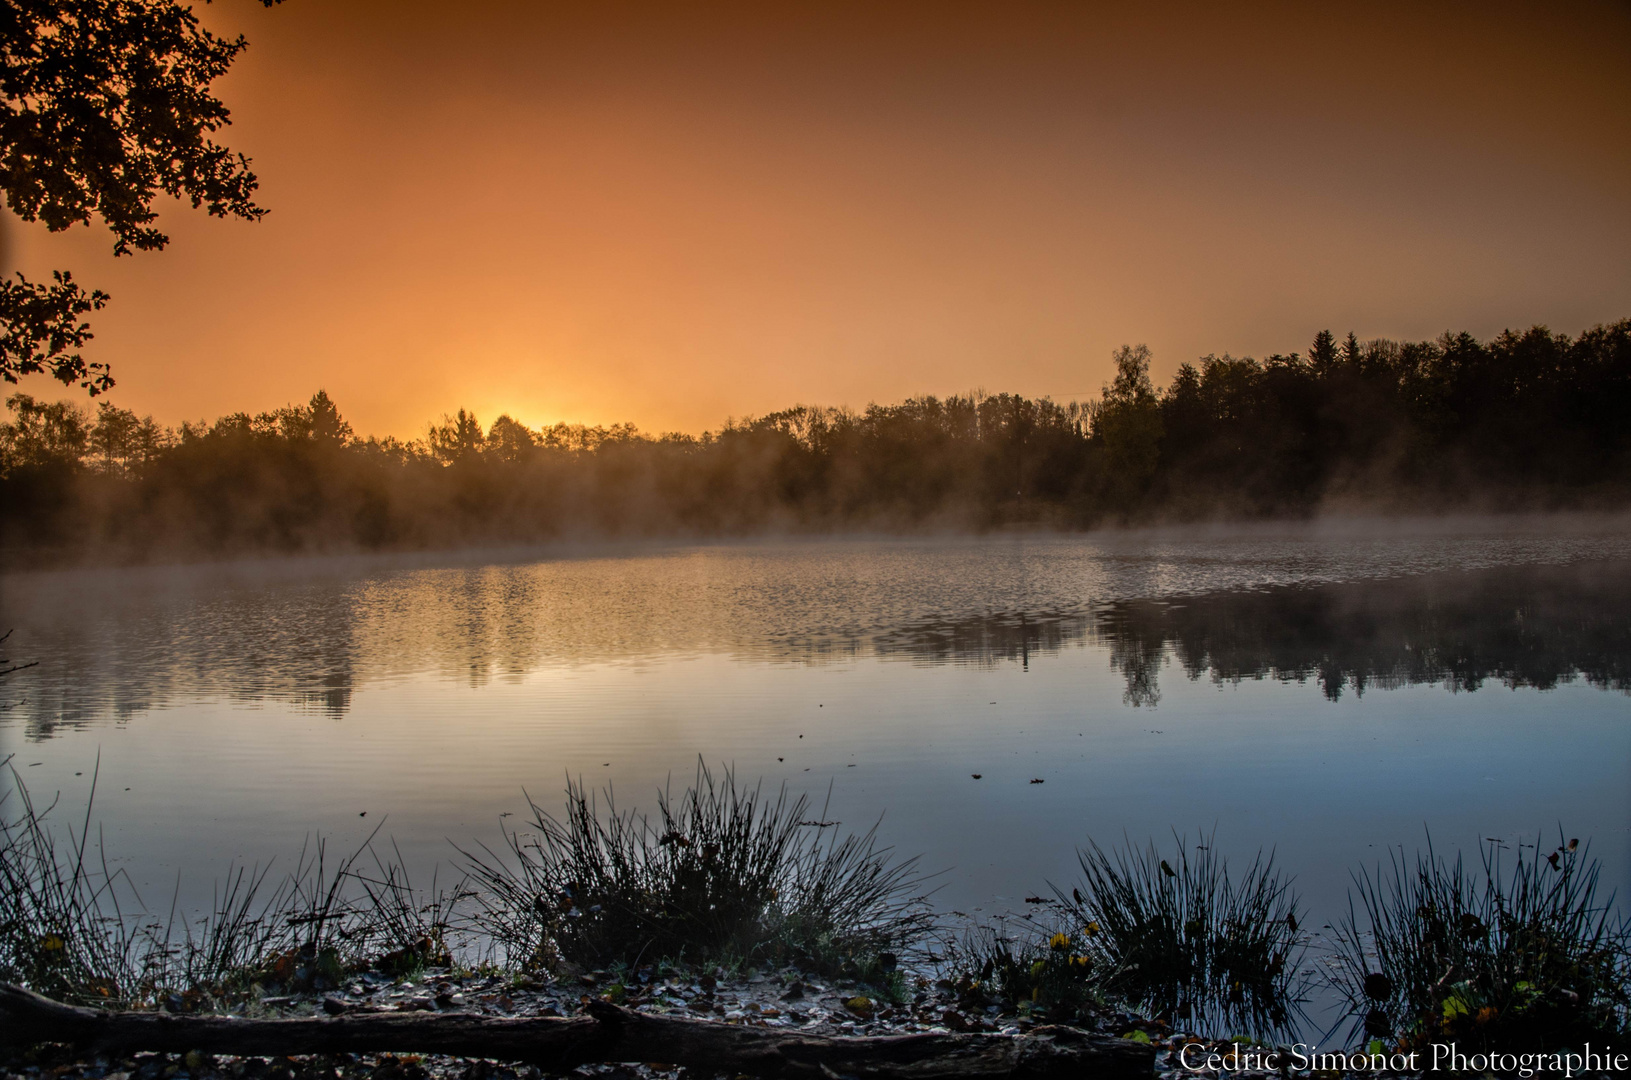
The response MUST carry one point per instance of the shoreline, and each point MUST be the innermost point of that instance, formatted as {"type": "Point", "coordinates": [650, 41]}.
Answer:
{"type": "Point", "coordinates": [271, 563]}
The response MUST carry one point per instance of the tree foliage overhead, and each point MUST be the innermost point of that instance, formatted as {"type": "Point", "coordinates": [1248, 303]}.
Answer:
{"type": "Point", "coordinates": [40, 331]}
{"type": "Point", "coordinates": [104, 106]}
{"type": "Point", "coordinates": [107, 104]}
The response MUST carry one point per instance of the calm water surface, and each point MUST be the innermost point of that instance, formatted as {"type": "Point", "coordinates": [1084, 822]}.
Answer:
{"type": "Point", "coordinates": [1324, 692]}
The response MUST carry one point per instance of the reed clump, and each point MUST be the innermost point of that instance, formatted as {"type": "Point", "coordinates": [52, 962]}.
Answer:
{"type": "Point", "coordinates": [1177, 939]}
{"type": "Point", "coordinates": [722, 874]}
{"type": "Point", "coordinates": [1439, 952]}
{"type": "Point", "coordinates": [76, 930]}
{"type": "Point", "coordinates": [1185, 940]}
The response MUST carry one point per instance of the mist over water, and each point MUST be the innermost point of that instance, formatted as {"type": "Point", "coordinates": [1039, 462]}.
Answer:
{"type": "Point", "coordinates": [1324, 691]}
{"type": "Point", "coordinates": [113, 643]}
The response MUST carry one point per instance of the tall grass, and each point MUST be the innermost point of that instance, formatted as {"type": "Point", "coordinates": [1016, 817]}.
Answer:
{"type": "Point", "coordinates": [1439, 952]}
{"type": "Point", "coordinates": [74, 929]}
{"type": "Point", "coordinates": [1533, 959]}
{"type": "Point", "coordinates": [1182, 938]}
{"type": "Point", "coordinates": [1176, 938]}
{"type": "Point", "coordinates": [407, 930]}
{"type": "Point", "coordinates": [64, 927]}
{"type": "Point", "coordinates": [721, 874]}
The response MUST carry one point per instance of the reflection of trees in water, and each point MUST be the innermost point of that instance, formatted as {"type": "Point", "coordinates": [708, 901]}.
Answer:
{"type": "Point", "coordinates": [1523, 626]}
{"type": "Point", "coordinates": [60, 706]}
{"type": "Point", "coordinates": [1136, 650]}
{"type": "Point", "coordinates": [312, 644]}
{"type": "Point", "coordinates": [988, 639]}
{"type": "Point", "coordinates": [241, 648]}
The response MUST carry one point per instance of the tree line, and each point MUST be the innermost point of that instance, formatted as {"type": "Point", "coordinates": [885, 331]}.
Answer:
{"type": "Point", "coordinates": [1530, 420]}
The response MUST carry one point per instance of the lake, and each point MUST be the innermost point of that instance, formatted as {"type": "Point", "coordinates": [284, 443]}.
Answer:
{"type": "Point", "coordinates": [1326, 691]}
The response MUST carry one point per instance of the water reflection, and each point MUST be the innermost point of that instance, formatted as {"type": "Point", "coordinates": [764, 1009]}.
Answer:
{"type": "Point", "coordinates": [1006, 637]}
{"type": "Point", "coordinates": [1530, 626]}
{"type": "Point", "coordinates": [1521, 626]}
{"type": "Point", "coordinates": [432, 696]}
{"type": "Point", "coordinates": [110, 646]}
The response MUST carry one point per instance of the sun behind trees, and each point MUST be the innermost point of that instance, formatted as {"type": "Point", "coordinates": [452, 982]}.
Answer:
{"type": "Point", "coordinates": [1526, 421]}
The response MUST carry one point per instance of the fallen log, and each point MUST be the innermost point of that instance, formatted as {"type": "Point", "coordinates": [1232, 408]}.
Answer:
{"type": "Point", "coordinates": [607, 1034]}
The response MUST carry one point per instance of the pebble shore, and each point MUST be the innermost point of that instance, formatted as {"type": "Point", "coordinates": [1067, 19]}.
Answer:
{"type": "Point", "coordinates": [787, 998]}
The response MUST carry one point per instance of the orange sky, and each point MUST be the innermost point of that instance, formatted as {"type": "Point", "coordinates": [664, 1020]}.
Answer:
{"type": "Point", "coordinates": [672, 214]}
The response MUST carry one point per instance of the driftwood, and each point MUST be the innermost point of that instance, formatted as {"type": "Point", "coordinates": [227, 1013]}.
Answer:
{"type": "Point", "coordinates": [607, 1034]}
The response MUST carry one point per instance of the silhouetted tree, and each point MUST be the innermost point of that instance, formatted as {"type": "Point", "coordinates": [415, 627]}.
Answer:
{"type": "Point", "coordinates": [1128, 424]}
{"type": "Point", "coordinates": [40, 331]}
{"type": "Point", "coordinates": [107, 105]}
{"type": "Point", "coordinates": [1530, 419]}
{"type": "Point", "coordinates": [510, 440]}
{"type": "Point", "coordinates": [1322, 355]}
{"type": "Point", "coordinates": [123, 442]}
{"type": "Point", "coordinates": [42, 433]}
{"type": "Point", "coordinates": [457, 438]}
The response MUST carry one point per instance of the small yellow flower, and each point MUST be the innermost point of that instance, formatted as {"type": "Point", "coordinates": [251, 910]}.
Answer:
{"type": "Point", "coordinates": [51, 943]}
{"type": "Point", "coordinates": [1090, 929]}
{"type": "Point", "coordinates": [1059, 941]}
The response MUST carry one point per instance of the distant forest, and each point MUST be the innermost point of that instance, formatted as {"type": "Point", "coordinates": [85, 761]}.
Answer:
{"type": "Point", "coordinates": [1526, 421]}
